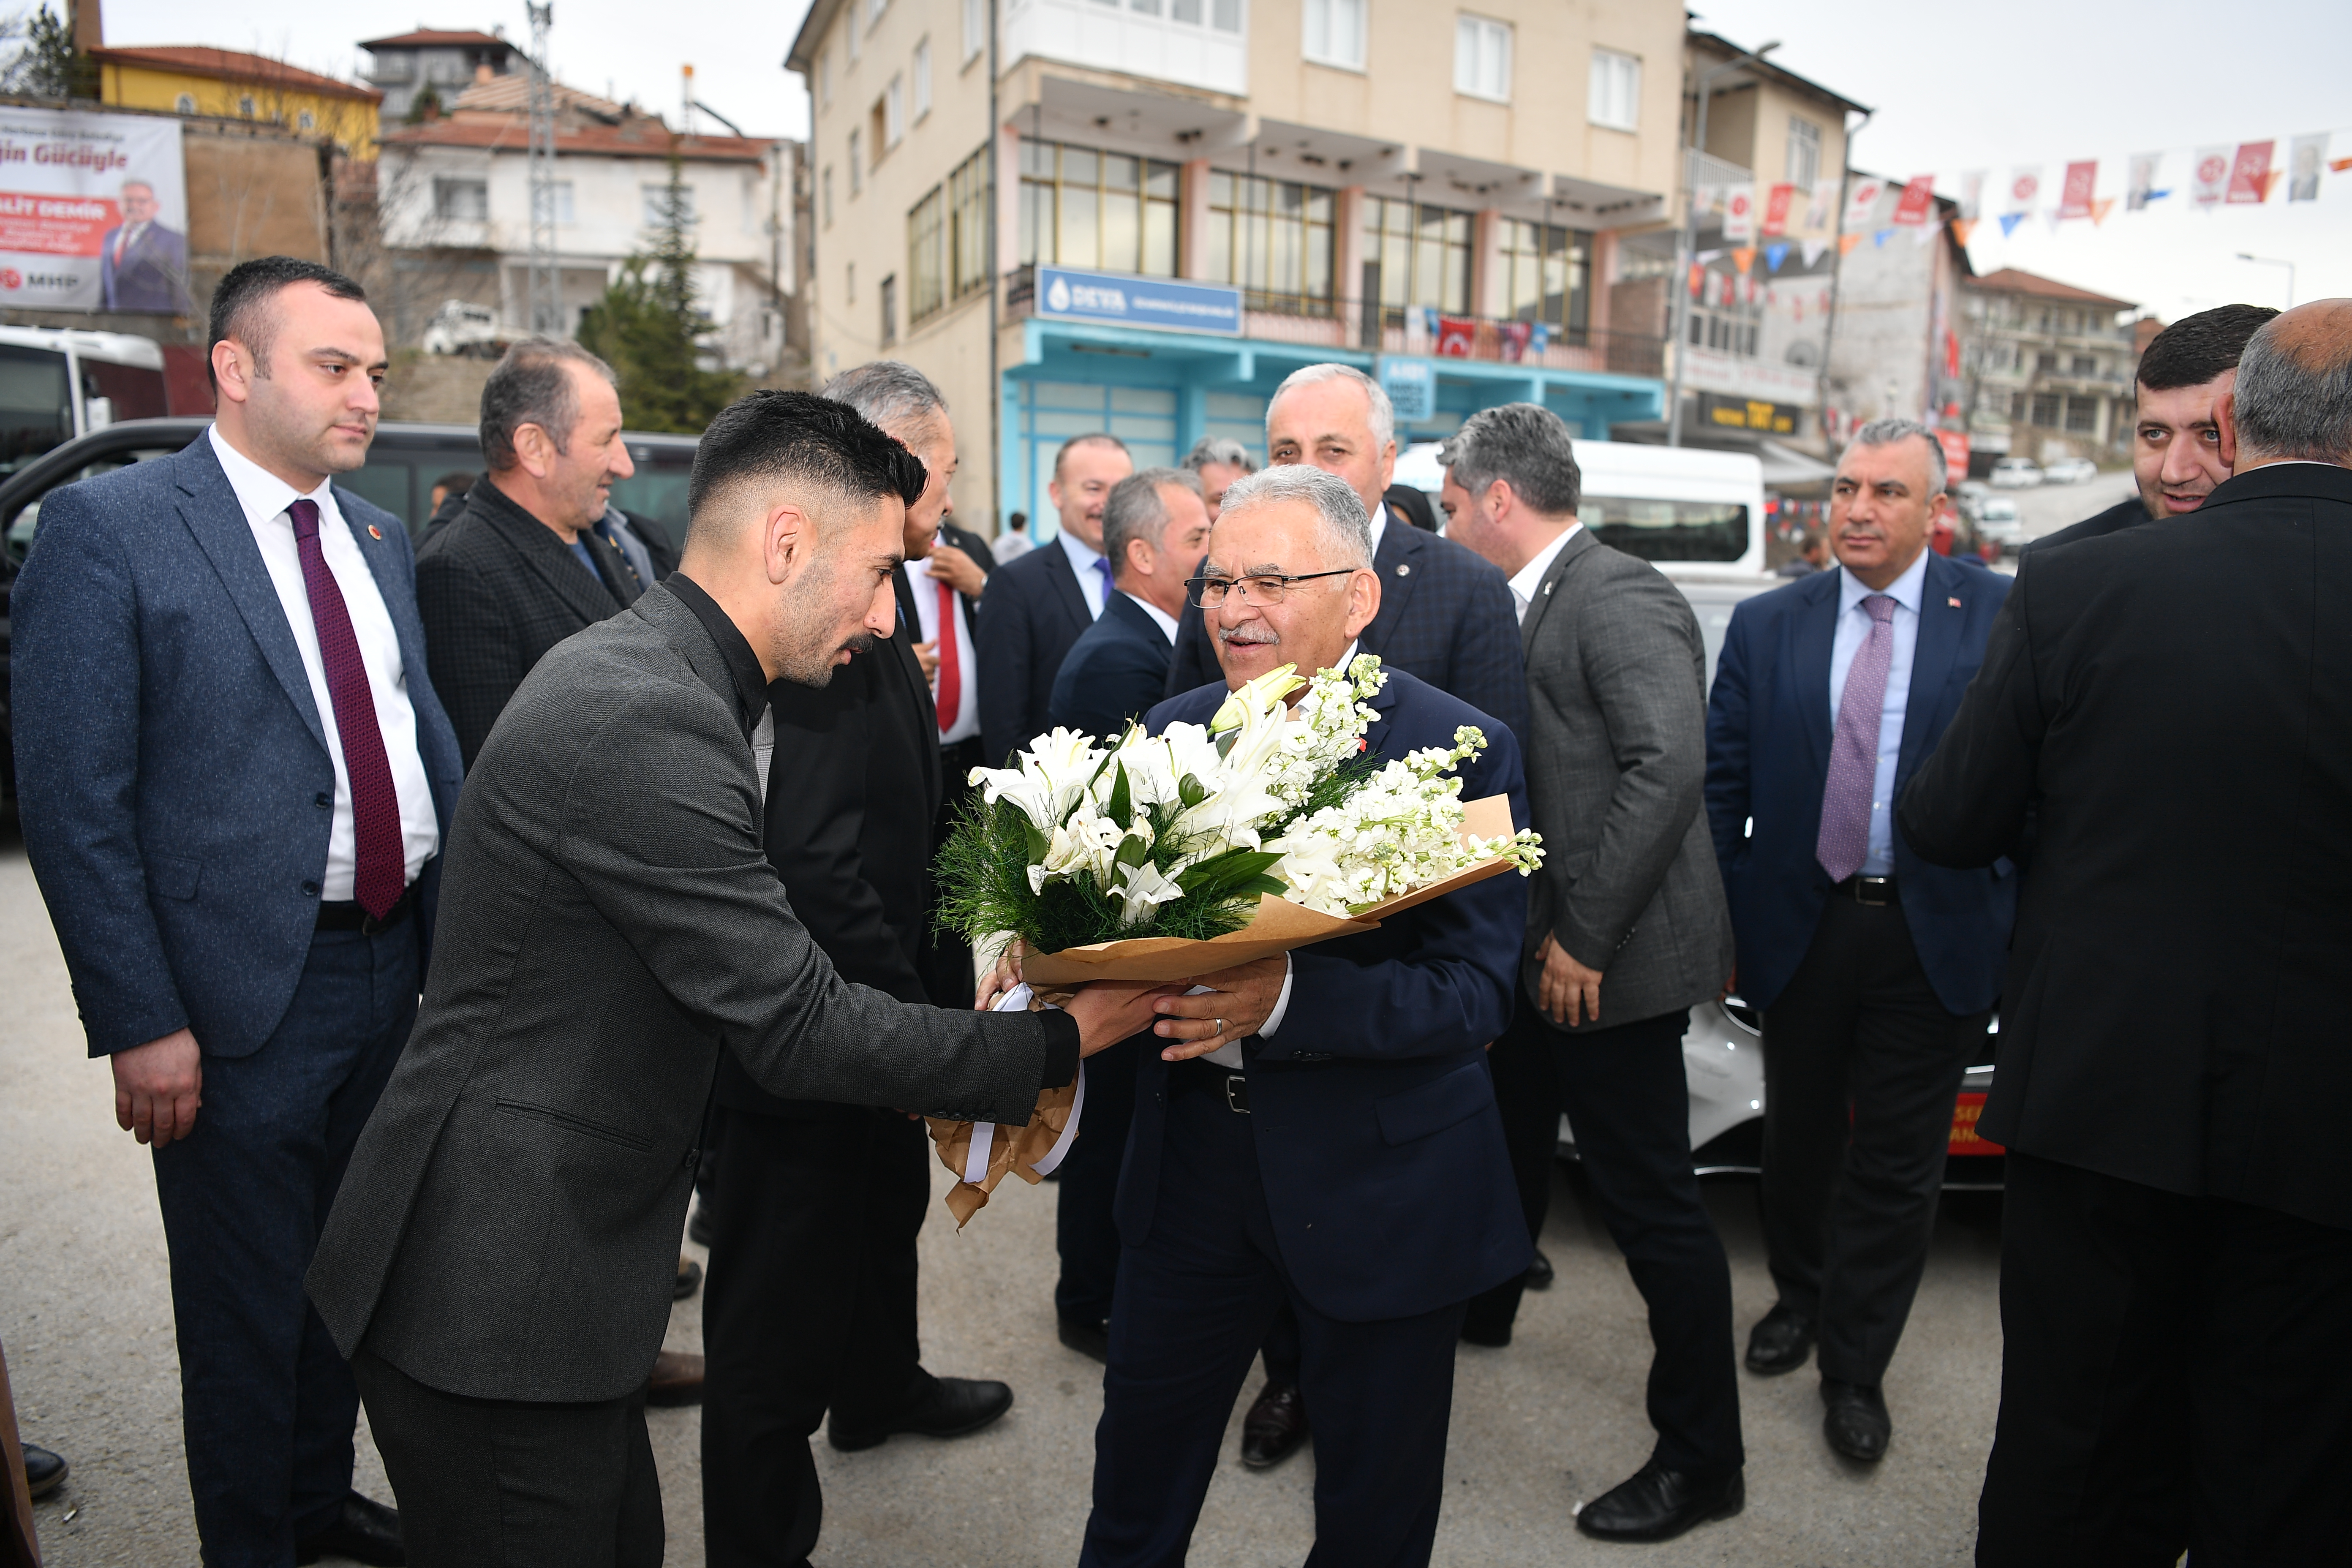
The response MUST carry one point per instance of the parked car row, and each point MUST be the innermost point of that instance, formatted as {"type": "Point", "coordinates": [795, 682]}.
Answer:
{"type": "Point", "coordinates": [2023, 473]}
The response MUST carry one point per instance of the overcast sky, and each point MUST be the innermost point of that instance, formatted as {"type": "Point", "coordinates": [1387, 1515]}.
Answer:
{"type": "Point", "coordinates": [1988, 85]}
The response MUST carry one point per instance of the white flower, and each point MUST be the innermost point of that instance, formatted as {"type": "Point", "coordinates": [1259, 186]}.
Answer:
{"type": "Point", "coordinates": [1142, 891]}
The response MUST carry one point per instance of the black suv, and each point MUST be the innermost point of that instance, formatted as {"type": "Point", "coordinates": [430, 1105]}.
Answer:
{"type": "Point", "coordinates": [401, 467]}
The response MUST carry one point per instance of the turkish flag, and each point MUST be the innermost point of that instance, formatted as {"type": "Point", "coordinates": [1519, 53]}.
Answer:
{"type": "Point", "coordinates": [1455, 336]}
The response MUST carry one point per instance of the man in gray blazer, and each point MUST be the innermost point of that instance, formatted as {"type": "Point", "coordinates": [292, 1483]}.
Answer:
{"type": "Point", "coordinates": [1627, 930]}
{"type": "Point", "coordinates": [499, 1267]}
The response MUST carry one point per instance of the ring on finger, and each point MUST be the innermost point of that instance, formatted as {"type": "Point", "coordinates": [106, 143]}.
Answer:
{"type": "Point", "coordinates": [1220, 1029]}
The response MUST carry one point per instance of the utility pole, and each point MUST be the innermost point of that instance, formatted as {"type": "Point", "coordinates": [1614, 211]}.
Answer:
{"type": "Point", "coordinates": [1689, 241]}
{"type": "Point", "coordinates": [546, 281]}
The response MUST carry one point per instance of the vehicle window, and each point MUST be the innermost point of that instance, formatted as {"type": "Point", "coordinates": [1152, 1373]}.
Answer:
{"type": "Point", "coordinates": [657, 491]}
{"type": "Point", "coordinates": [21, 526]}
{"type": "Point", "coordinates": [1668, 529]}
{"type": "Point", "coordinates": [387, 482]}
{"type": "Point", "coordinates": [36, 404]}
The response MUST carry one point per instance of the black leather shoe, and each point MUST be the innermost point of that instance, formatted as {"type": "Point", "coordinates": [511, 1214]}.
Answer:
{"type": "Point", "coordinates": [1857, 1423]}
{"type": "Point", "coordinates": [1275, 1426]}
{"type": "Point", "coordinates": [956, 1407]}
{"type": "Point", "coordinates": [1658, 1504]}
{"type": "Point", "coordinates": [689, 1279]}
{"type": "Point", "coordinates": [697, 1224]}
{"type": "Point", "coordinates": [1087, 1338]}
{"type": "Point", "coordinates": [45, 1471]}
{"type": "Point", "coordinates": [1539, 1274]}
{"type": "Point", "coordinates": [1779, 1342]}
{"type": "Point", "coordinates": [364, 1532]}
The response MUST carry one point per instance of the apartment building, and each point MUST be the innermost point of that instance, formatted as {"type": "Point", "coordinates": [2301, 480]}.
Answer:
{"type": "Point", "coordinates": [1159, 208]}
{"type": "Point", "coordinates": [2051, 369]}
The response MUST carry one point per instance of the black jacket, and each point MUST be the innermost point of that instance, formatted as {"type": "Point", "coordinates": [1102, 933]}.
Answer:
{"type": "Point", "coordinates": [2175, 702]}
{"type": "Point", "coordinates": [2129, 513]}
{"type": "Point", "coordinates": [1035, 612]}
{"type": "Point", "coordinates": [497, 589]}
{"type": "Point", "coordinates": [1116, 671]}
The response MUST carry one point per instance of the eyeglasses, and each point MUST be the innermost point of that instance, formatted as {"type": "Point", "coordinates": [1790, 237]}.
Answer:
{"type": "Point", "coordinates": [1261, 592]}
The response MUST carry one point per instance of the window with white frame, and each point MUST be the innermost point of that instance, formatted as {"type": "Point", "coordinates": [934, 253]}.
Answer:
{"type": "Point", "coordinates": [184, 104]}
{"type": "Point", "coordinates": [460, 200]}
{"type": "Point", "coordinates": [1616, 96]}
{"type": "Point", "coordinates": [1804, 152]}
{"type": "Point", "coordinates": [975, 27]}
{"type": "Point", "coordinates": [1481, 57]}
{"type": "Point", "coordinates": [1335, 33]}
{"type": "Point", "coordinates": [893, 112]}
{"type": "Point", "coordinates": [922, 79]}
{"type": "Point", "coordinates": [657, 205]}
{"type": "Point", "coordinates": [560, 203]}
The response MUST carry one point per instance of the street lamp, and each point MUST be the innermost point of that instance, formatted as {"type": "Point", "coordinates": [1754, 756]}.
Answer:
{"type": "Point", "coordinates": [1681, 284]}
{"type": "Point", "coordinates": [2274, 261]}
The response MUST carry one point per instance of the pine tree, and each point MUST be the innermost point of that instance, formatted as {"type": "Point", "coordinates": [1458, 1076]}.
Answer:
{"type": "Point", "coordinates": [650, 327]}
{"type": "Point", "coordinates": [44, 65]}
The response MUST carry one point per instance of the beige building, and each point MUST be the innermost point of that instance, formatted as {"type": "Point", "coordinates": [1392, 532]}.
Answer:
{"type": "Point", "coordinates": [1160, 208]}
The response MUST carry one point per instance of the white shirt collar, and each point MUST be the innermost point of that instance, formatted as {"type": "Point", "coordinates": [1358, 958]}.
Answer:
{"type": "Point", "coordinates": [1160, 617]}
{"type": "Point", "coordinates": [1530, 577]}
{"type": "Point", "coordinates": [1379, 525]}
{"type": "Point", "coordinates": [1082, 556]}
{"type": "Point", "coordinates": [1905, 590]}
{"type": "Point", "coordinates": [261, 493]}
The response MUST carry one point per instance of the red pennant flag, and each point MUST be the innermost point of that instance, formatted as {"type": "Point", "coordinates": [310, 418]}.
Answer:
{"type": "Point", "coordinates": [2081, 184]}
{"type": "Point", "coordinates": [2250, 180]}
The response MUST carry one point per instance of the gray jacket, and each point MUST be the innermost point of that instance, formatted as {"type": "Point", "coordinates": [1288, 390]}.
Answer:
{"type": "Point", "coordinates": [509, 1225]}
{"type": "Point", "coordinates": [1616, 758]}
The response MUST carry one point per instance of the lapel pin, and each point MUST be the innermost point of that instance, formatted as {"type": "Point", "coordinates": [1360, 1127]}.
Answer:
{"type": "Point", "coordinates": [1955, 603]}
{"type": "Point", "coordinates": [376, 533]}
{"type": "Point", "coordinates": [1404, 570]}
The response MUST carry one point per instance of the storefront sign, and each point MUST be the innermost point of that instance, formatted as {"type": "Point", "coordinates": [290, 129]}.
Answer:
{"type": "Point", "coordinates": [93, 212]}
{"type": "Point", "coordinates": [1748, 413]}
{"type": "Point", "coordinates": [1119, 300]}
{"type": "Point", "coordinates": [1411, 386]}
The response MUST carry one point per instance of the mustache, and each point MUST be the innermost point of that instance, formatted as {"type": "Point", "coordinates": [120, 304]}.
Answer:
{"type": "Point", "coordinates": [1255, 632]}
{"type": "Point", "coordinates": [862, 643]}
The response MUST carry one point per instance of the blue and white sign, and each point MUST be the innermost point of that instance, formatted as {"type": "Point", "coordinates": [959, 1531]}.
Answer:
{"type": "Point", "coordinates": [1121, 300]}
{"type": "Point", "coordinates": [1411, 386]}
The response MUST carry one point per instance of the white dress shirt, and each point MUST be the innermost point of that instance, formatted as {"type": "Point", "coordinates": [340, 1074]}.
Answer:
{"type": "Point", "coordinates": [1379, 527]}
{"type": "Point", "coordinates": [1852, 631]}
{"type": "Point", "coordinates": [1529, 578]}
{"type": "Point", "coordinates": [265, 498]}
{"type": "Point", "coordinates": [964, 723]}
{"type": "Point", "coordinates": [1083, 557]}
{"type": "Point", "coordinates": [1160, 617]}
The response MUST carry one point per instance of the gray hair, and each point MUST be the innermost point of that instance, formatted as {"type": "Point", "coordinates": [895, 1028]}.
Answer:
{"type": "Point", "coordinates": [1346, 527]}
{"type": "Point", "coordinates": [2296, 405]}
{"type": "Point", "coordinates": [1383, 412]}
{"type": "Point", "coordinates": [531, 384]}
{"type": "Point", "coordinates": [890, 394]}
{"type": "Point", "coordinates": [1221, 450]}
{"type": "Point", "coordinates": [1134, 510]}
{"type": "Point", "coordinates": [1888, 432]}
{"type": "Point", "coordinates": [1525, 445]}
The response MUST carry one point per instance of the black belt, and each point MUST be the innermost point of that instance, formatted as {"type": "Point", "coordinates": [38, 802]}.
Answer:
{"type": "Point", "coordinates": [1200, 1076]}
{"type": "Point", "coordinates": [347, 914]}
{"type": "Point", "coordinates": [1874, 891]}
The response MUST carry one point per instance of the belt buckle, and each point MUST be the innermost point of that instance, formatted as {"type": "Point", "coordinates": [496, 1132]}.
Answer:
{"type": "Point", "coordinates": [1865, 885]}
{"type": "Point", "coordinates": [1237, 1094]}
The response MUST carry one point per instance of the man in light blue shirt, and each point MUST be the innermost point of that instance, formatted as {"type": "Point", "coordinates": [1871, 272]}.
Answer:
{"type": "Point", "coordinates": [1853, 626]}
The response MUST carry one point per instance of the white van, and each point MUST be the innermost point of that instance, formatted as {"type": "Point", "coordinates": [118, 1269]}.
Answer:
{"type": "Point", "coordinates": [1697, 514]}
{"type": "Point", "coordinates": [59, 383]}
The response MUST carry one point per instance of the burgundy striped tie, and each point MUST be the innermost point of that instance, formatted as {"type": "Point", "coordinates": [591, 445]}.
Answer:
{"type": "Point", "coordinates": [382, 862]}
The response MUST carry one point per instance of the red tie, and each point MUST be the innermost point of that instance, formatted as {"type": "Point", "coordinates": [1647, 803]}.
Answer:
{"type": "Point", "coordinates": [382, 864]}
{"type": "Point", "coordinates": [951, 695]}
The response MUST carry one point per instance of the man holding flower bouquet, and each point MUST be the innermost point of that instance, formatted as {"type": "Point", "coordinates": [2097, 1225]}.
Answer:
{"type": "Point", "coordinates": [1319, 1130]}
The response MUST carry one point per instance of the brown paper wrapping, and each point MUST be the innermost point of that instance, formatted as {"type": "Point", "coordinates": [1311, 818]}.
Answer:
{"type": "Point", "coordinates": [1279, 926]}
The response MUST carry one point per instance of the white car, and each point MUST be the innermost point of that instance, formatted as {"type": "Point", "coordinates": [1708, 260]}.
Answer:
{"type": "Point", "coordinates": [2015, 474]}
{"type": "Point", "coordinates": [1997, 520]}
{"type": "Point", "coordinates": [2070, 471]}
{"type": "Point", "coordinates": [459, 328]}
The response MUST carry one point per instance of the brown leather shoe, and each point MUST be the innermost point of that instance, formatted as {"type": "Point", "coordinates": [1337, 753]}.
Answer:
{"type": "Point", "coordinates": [676, 1380]}
{"type": "Point", "coordinates": [1275, 1427]}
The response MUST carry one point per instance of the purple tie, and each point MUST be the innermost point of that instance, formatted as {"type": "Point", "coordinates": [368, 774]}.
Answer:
{"type": "Point", "coordinates": [1102, 564]}
{"type": "Point", "coordinates": [1844, 840]}
{"type": "Point", "coordinates": [382, 864]}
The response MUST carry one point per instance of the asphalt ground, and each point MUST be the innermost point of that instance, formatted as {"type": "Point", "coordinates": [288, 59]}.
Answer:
{"type": "Point", "coordinates": [1538, 1427]}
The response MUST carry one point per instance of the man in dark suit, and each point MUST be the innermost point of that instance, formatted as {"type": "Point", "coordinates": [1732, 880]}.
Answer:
{"type": "Point", "coordinates": [2176, 1233]}
{"type": "Point", "coordinates": [1328, 1138]}
{"type": "Point", "coordinates": [1626, 933]}
{"type": "Point", "coordinates": [940, 600]}
{"type": "Point", "coordinates": [1155, 527]}
{"type": "Point", "coordinates": [528, 562]}
{"type": "Point", "coordinates": [1875, 971]}
{"type": "Point", "coordinates": [1444, 615]}
{"type": "Point", "coordinates": [142, 265]}
{"type": "Point", "coordinates": [235, 783]}
{"type": "Point", "coordinates": [1038, 605]}
{"type": "Point", "coordinates": [2176, 437]}
{"type": "Point", "coordinates": [817, 1206]}
{"type": "Point", "coordinates": [499, 1264]}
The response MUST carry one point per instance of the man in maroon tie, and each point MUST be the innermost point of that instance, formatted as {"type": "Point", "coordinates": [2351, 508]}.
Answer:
{"type": "Point", "coordinates": [1875, 973]}
{"type": "Point", "coordinates": [235, 781]}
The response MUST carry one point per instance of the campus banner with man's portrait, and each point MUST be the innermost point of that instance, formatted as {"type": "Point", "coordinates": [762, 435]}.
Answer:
{"type": "Point", "coordinates": [93, 212]}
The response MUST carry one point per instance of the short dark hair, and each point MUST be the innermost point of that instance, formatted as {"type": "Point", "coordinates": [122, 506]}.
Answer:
{"type": "Point", "coordinates": [1017, 522]}
{"type": "Point", "coordinates": [531, 384]}
{"type": "Point", "coordinates": [1525, 445]}
{"type": "Point", "coordinates": [455, 480]}
{"type": "Point", "coordinates": [799, 435]}
{"type": "Point", "coordinates": [239, 300]}
{"type": "Point", "coordinates": [1093, 438]}
{"type": "Point", "coordinates": [2196, 349]}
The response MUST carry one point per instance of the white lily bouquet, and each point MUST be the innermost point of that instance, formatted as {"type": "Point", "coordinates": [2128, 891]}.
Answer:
{"type": "Point", "coordinates": [1159, 858]}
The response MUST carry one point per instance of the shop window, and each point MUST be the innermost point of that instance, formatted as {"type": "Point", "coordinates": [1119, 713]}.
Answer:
{"type": "Point", "coordinates": [1080, 207]}
{"type": "Point", "coordinates": [1272, 237]}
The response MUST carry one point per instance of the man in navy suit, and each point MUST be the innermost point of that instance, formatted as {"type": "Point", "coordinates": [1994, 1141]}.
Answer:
{"type": "Point", "coordinates": [142, 265]}
{"type": "Point", "coordinates": [235, 781]}
{"type": "Point", "coordinates": [1875, 971]}
{"type": "Point", "coordinates": [1155, 526]}
{"type": "Point", "coordinates": [1319, 1131]}
{"type": "Point", "coordinates": [1038, 605]}
{"type": "Point", "coordinates": [1446, 615]}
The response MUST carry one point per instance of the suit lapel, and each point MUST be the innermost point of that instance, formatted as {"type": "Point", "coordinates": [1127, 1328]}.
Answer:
{"type": "Point", "coordinates": [546, 558]}
{"type": "Point", "coordinates": [1393, 563]}
{"type": "Point", "coordinates": [1065, 578]}
{"type": "Point", "coordinates": [1814, 630]}
{"type": "Point", "coordinates": [919, 690]}
{"type": "Point", "coordinates": [1549, 589]}
{"type": "Point", "coordinates": [1944, 596]}
{"type": "Point", "coordinates": [212, 512]}
{"type": "Point", "coordinates": [1383, 704]}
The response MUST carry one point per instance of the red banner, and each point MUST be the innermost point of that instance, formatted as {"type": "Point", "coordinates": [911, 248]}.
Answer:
{"type": "Point", "coordinates": [1455, 336]}
{"type": "Point", "coordinates": [1964, 1139]}
{"type": "Point", "coordinates": [2249, 175]}
{"type": "Point", "coordinates": [1776, 210]}
{"type": "Point", "coordinates": [2081, 183]}
{"type": "Point", "coordinates": [55, 224]}
{"type": "Point", "coordinates": [1918, 196]}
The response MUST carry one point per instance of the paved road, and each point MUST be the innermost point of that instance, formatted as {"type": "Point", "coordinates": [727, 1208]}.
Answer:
{"type": "Point", "coordinates": [2046, 509]}
{"type": "Point", "coordinates": [85, 1312]}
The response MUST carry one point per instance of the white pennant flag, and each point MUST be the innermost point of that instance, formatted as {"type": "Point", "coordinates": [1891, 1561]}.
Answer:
{"type": "Point", "coordinates": [2211, 173]}
{"type": "Point", "coordinates": [1813, 249]}
{"type": "Point", "coordinates": [1971, 196]}
{"type": "Point", "coordinates": [2024, 187]}
{"type": "Point", "coordinates": [1821, 210]}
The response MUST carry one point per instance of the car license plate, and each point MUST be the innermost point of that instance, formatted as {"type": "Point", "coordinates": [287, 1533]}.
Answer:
{"type": "Point", "coordinates": [1964, 1127]}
